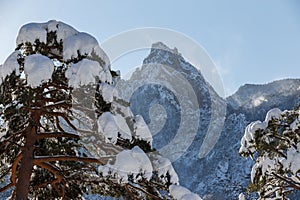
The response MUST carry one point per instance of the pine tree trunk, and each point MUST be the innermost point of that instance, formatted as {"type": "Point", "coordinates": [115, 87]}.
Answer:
{"type": "Point", "coordinates": [23, 183]}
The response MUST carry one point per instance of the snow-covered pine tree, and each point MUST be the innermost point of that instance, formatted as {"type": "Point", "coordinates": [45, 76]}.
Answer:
{"type": "Point", "coordinates": [64, 131]}
{"type": "Point", "coordinates": [274, 144]}
{"type": "Point", "coordinates": [40, 142]}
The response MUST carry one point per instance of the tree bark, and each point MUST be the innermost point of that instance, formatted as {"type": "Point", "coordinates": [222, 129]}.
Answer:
{"type": "Point", "coordinates": [23, 183]}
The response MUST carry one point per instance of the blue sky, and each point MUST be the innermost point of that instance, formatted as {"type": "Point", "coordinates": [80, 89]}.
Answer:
{"type": "Point", "coordinates": [250, 41]}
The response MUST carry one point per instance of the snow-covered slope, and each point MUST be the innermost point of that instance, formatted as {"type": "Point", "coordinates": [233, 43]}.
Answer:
{"type": "Point", "coordinates": [222, 173]}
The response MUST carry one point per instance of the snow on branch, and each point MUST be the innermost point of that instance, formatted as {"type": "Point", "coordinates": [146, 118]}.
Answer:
{"type": "Point", "coordinates": [38, 68]}
{"type": "Point", "coordinates": [275, 146]}
{"type": "Point", "coordinates": [11, 64]}
{"type": "Point", "coordinates": [75, 43]}
{"type": "Point", "coordinates": [182, 193]}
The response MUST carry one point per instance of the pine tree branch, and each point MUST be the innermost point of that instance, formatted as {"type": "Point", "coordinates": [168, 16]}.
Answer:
{"type": "Point", "coordinates": [48, 99]}
{"type": "Point", "coordinates": [144, 191]}
{"type": "Point", "coordinates": [287, 180]}
{"type": "Point", "coordinates": [5, 173]}
{"type": "Point", "coordinates": [50, 91]}
{"type": "Point", "coordinates": [60, 87]}
{"type": "Point", "coordinates": [130, 193]}
{"type": "Point", "coordinates": [14, 143]}
{"type": "Point", "coordinates": [63, 104]}
{"type": "Point", "coordinates": [56, 135]}
{"type": "Point", "coordinates": [277, 136]}
{"type": "Point", "coordinates": [79, 106]}
{"type": "Point", "coordinates": [13, 195]}
{"type": "Point", "coordinates": [51, 168]}
{"type": "Point", "coordinates": [4, 146]}
{"type": "Point", "coordinates": [52, 84]}
{"type": "Point", "coordinates": [24, 129]}
{"type": "Point", "coordinates": [13, 174]}
{"type": "Point", "coordinates": [109, 148]}
{"type": "Point", "coordinates": [6, 187]}
{"type": "Point", "coordinates": [41, 126]}
{"type": "Point", "coordinates": [277, 151]}
{"type": "Point", "coordinates": [154, 184]}
{"type": "Point", "coordinates": [56, 172]}
{"type": "Point", "coordinates": [13, 177]}
{"type": "Point", "coordinates": [15, 136]}
{"type": "Point", "coordinates": [44, 184]}
{"type": "Point", "coordinates": [282, 138]}
{"type": "Point", "coordinates": [56, 188]}
{"type": "Point", "coordinates": [67, 158]}
{"type": "Point", "coordinates": [58, 125]}
{"type": "Point", "coordinates": [59, 114]}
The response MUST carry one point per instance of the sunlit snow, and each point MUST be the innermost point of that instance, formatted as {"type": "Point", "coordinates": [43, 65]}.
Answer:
{"type": "Point", "coordinates": [83, 73]}
{"type": "Point", "coordinates": [182, 193]}
{"type": "Point", "coordinates": [11, 64]}
{"type": "Point", "coordinates": [38, 68]}
{"type": "Point", "coordinates": [130, 162]}
{"type": "Point", "coordinates": [259, 100]}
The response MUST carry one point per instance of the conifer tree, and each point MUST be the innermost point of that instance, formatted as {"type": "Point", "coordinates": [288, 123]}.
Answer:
{"type": "Point", "coordinates": [64, 132]}
{"type": "Point", "coordinates": [274, 144]}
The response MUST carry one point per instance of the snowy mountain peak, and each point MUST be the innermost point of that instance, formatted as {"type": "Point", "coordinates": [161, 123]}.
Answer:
{"type": "Point", "coordinates": [171, 58]}
{"type": "Point", "coordinates": [162, 54]}
{"type": "Point", "coordinates": [167, 67]}
{"type": "Point", "coordinates": [162, 46]}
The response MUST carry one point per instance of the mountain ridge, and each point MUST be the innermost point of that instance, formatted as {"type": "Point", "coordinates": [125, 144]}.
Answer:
{"type": "Point", "coordinates": [221, 173]}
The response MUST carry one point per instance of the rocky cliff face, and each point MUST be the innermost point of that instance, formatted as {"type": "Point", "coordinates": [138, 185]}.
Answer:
{"type": "Point", "coordinates": [166, 89]}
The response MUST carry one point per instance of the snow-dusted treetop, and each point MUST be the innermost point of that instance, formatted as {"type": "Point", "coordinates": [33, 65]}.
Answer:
{"type": "Point", "coordinates": [74, 42]}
